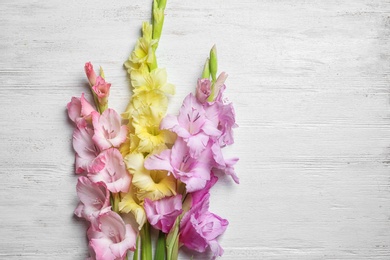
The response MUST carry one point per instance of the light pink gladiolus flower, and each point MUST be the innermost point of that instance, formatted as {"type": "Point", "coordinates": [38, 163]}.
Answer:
{"type": "Point", "coordinates": [203, 90]}
{"type": "Point", "coordinates": [224, 165]}
{"type": "Point", "coordinates": [114, 175]}
{"type": "Point", "coordinates": [101, 89]}
{"type": "Point", "coordinates": [198, 196]}
{"type": "Point", "coordinates": [192, 125]}
{"type": "Point", "coordinates": [112, 238]}
{"type": "Point", "coordinates": [91, 75]}
{"type": "Point", "coordinates": [88, 156]}
{"type": "Point", "coordinates": [193, 172]}
{"type": "Point", "coordinates": [94, 199]}
{"type": "Point", "coordinates": [222, 113]}
{"type": "Point", "coordinates": [108, 129]}
{"type": "Point", "coordinates": [79, 108]}
{"type": "Point", "coordinates": [200, 228]}
{"type": "Point", "coordinates": [162, 213]}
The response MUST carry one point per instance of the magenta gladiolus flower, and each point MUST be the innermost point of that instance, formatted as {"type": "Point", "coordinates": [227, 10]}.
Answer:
{"type": "Point", "coordinates": [79, 108]}
{"type": "Point", "coordinates": [101, 89]}
{"type": "Point", "coordinates": [108, 129]}
{"type": "Point", "coordinates": [193, 172]}
{"type": "Point", "coordinates": [192, 125]}
{"type": "Point", "coordinates": [112, 238]}
{"type": "Point", "coordinates": [114, 175]}
{"type": "Point", "coordinates": [203, 90]}
{"type": "Point", "coordinates": [91, 75]}
{"type": "Point", "coordinates": [94, 199]}
{"type": "Point", "coordinates": [88, 156]}
{"type": "Point", "coordinates": [162, 213]}
{"type": "Point", "coordinates": [199, 228]}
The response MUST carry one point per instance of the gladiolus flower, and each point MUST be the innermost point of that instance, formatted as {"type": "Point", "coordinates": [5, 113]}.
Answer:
{"type": "Point", "coordinates": [154, 80]}
{"type": "Point", "coordinates": [224, 165]}
{"type": "Point", "coordinates": [131, 204]}
{"type": "Point", "coordinates": [79, 108]}
{"type": "Point", "coordinates": [162, 213]}
{"type": "Point", "coordinates": [114, 175]}
{"type": "Point", "coordinates": [143, 53]}
{"type": "Point", "coordinates": [222, 113]}
{"type": "Point", "coordinates": [102, 90]}
{"type": "Point", "coordinates": [146, 128]}
{"type": "Point", "coordinates": [94, 199]}
{"type": "Point", "coordinates": [112, 238]}
{"type": "Point", "coordinates": [193, 172]}
{"type": "Point", "coordinates": [150, 184]}
{"type": "Point", "coordinates": [203, 90]}
{"type": "Point", "coordinates": [91, 75]}
{"type": "Point", "coordinates": [192, 125]}
{"type": "Point", "coordinates": [88, 156]}
{"type": "Point", "coordinates": [108, 129]}
{"type": "Point", "coordinates": [199, 228]}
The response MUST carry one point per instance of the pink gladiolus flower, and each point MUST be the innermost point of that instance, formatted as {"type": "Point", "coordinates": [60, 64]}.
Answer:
{"type": "Point", "coordinates": [192, 125]}
{"type": "Point", "coordinates": [193, 172]}
{"type": "Point", "coordinates": [162, 213]}
{"type": "Point", "coordinates": [224, 165]}
{"type": "Point", "coordinates": [91, 75]}
{"type": "Point", "coordinates": [112, 238]}
{"type": "Point", "coordinates": [88, 157]}
{"type": "Point", "coordinates": [225, 116]}
{"type": "Point", "coordinates": [226, 124]}
{"type": "Point", "coordinates": [101, 89]}
{"type": "Point", "coordinates": [199, 228]}
{"type": "Point", "coordinates": [94, 199]}
{"type": "Point", "coordinates": [108, 129]}
{"type": "Point", "coordinates": [203, 90]}
{"type": "Point", "coordinates": [79, 108]}
{"type": "Point", "coordinates": [114, 175]}
{"type": "Point", "coordinates": [198, 196]}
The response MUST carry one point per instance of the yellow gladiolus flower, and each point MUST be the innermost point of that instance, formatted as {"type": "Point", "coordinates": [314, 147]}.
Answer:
{"type": "Point", "coordinates": [155, 80]}
{"type": "Point", "coordinates": [143, 53]}
{"type": "Point", "coordinates": [154, 100]}
{"type": "Point", "coordinates": [130, 204]}
{"type": "Point", "coordinates": [147, 129]}
{"type": "Point", "coordinates": [150, 184]}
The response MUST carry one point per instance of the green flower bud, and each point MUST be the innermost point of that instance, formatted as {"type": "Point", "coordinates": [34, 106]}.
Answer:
{"type": "Point", "coordinates": [206, 70]}
{"type": "Point", "coordinates": [213, 63]}
{"type": "Point", "coordinates": [162, 4]}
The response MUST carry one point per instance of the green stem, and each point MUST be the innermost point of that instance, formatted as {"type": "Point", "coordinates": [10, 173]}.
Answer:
{"type": "Point", "coordinates": [172, 241]}
{"type": "Point", "coordinates": [146, 243]}
{"type": "Point", "coordinates": [135, 255]}
{"type": "Point", "coordinates": [115, 199]}
{"type": "Point", "coordinates": [153, 65]}
{"type": "Point", "coordinates": [160, 248]}
{"type": "Point", "coordinates": [211, 97]}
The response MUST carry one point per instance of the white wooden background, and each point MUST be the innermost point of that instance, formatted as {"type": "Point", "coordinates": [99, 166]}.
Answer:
{"type": "Point", "coordinates": [310, 84]}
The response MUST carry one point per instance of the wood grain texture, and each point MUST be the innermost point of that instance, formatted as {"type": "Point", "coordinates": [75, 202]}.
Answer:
{"type": "Point", "coordinates": [310, 84]}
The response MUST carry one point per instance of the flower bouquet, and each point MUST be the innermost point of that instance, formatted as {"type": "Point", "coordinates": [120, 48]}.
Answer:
{"type": "Point", "coordinates": [144, 174]}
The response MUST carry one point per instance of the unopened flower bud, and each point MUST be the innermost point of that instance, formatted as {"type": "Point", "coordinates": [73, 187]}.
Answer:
{"type": "Point", "coordinates": [203, 90]}
{"type": "Point", "coordinates": [206, 69]}
{"type": "Point", "coordinates": [102, 91]}
{"type": "Point", "coordinates": [91, 75]}
{"type": "Point", "coordinates": [213, 63]}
